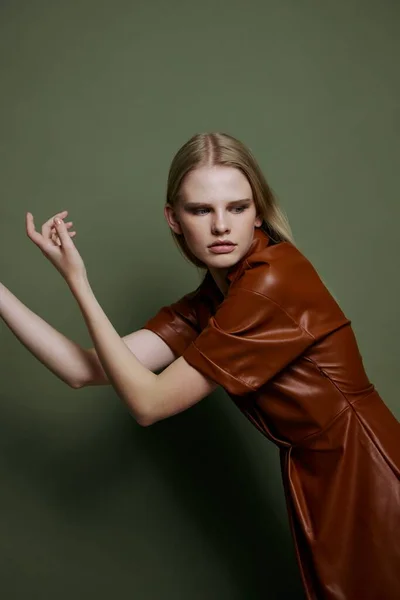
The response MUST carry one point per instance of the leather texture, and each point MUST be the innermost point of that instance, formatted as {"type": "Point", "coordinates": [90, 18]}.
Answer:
{"type": "Point", "coordinates": [282, 348]}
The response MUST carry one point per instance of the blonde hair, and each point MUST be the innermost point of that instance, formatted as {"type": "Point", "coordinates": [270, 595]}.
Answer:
{"type": "Point", "coordinates": [211, 149]}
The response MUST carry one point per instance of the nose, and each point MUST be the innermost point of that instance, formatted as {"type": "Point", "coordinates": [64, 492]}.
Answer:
{"type": "Point", "coordinates": [220, 225]}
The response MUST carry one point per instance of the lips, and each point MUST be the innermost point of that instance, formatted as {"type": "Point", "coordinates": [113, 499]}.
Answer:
{"type": "Point", "coordinates": [222, 244]}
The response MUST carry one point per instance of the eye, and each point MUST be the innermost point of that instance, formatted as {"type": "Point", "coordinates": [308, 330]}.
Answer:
{"type": "Point", "coordinates": [196, 211]}
{"type": "Point", "coordinates": [240, 209]}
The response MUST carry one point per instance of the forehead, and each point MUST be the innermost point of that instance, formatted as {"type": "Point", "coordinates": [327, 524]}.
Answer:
{"type": "Point", "coordinates": [216, 183]}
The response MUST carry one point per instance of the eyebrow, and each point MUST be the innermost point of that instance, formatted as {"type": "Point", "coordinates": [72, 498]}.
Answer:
{"type": "Point", "coordinates": [201, 204]}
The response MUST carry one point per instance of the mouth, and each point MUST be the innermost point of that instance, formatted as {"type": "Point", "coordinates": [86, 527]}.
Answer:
{"type": "Point", "coordinates": [222, 248]}
{"type": "Point", "coordinates": [217, 244]}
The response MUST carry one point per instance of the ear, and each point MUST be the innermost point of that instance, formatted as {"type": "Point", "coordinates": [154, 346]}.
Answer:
{"type": "Point", "coordinates": [258, 221]}
{"type": "Point", "coordinates": [171, 219]}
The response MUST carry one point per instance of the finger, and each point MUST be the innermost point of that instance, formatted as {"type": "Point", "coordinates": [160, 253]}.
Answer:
{"type": "Point", "coordinates": [55, 233]}
{"type": "Point", "coordinates": [55, 239]}
{"type": "Point", "coordinates": [63, 234]}
{"type": "Point", "coordinates": [67, 225]}
{"type": "Point", "coordinates": [31, 231]}
{"type": "Point", "coordinates": [47, 225]}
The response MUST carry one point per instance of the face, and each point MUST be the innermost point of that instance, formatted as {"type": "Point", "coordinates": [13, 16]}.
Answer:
{"type": "Point", "coordinates": [217, 204]}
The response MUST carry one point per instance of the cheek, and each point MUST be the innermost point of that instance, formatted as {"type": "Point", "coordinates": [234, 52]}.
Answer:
{"type": "Point", "coordinates": [194, 230]}
{"type": "Point", "coordinates": [192, 234]}
{"type": "Point", "coordinates": [194, 238]}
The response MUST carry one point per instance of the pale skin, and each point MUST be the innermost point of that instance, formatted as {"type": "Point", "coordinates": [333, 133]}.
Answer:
{"type": "Point", "coordinates": [225, 210]}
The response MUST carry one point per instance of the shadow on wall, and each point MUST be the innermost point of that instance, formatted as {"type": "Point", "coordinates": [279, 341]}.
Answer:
{"type": "Point", "coordinates": [210, 476]}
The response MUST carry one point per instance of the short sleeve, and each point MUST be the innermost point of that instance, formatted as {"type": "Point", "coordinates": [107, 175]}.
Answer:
{"type": "Point", "coordinates": [247, 342]}
{"type": "Point", "coordinates": [180, 323]}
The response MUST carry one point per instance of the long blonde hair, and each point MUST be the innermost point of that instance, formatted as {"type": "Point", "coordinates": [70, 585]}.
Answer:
{"type": "Point", "coordinates": [213, 149]}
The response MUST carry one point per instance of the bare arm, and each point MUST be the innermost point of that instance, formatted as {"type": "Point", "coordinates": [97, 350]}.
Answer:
{"type": "Point", "coordinates": [149, 397]}
{"type": "Point", "coordinates": [76, 366]}
{"type": "Point", "coordinates": [147, 347]}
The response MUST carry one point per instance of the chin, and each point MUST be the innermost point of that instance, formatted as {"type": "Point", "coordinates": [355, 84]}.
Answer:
{"type": "Point", "coordinates": [222, 261]}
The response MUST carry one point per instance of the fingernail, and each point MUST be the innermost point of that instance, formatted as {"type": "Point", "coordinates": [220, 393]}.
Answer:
{"type": "Point", "coordinates": [57, 220]}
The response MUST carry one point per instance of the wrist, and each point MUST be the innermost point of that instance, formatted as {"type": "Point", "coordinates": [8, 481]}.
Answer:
{"type": "Point", "coordinates": [76, 284]}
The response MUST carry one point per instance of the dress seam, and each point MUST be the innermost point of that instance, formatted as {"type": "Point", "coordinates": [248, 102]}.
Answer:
{"type": "Point", "coordinates": [349, 406]}
{"type": "Point", "coordinates": [241, 381]}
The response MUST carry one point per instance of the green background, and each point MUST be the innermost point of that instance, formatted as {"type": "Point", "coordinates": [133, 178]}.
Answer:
{"type": "Point", "coordinates": [96, 98]}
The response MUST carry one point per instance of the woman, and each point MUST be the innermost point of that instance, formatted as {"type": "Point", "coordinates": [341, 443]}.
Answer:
{"type": "Point", "coordinates": [264, 327]}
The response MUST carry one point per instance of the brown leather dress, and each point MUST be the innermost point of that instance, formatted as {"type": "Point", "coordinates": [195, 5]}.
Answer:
{"type": "Point", "coordinates": [286, 354]}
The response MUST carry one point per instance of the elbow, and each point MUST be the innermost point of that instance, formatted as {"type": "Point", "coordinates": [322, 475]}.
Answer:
{"type": "Point", "coordinates": [141, 411]}
{"type": "Point", "coordinates": [143, 420]}
{"type": "Point", "coordinates": [75, 385]}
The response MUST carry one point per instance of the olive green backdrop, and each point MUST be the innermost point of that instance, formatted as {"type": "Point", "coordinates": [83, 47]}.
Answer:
{"type": "Point", "coordinates": [96, 98]}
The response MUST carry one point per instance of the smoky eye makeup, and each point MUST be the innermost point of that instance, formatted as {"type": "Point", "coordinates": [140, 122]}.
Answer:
{"type": "Point", "coordinates": [194, 206]}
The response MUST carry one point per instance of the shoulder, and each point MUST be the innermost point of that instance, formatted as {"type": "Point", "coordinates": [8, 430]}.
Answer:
{"type": "Point", "coordinates": [286, 277]}
{"type": "Point", "coordinates": [275, 270]}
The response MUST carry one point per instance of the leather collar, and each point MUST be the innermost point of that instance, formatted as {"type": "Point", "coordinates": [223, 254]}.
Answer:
{"type": "Point", "coordinates": [260, 241]}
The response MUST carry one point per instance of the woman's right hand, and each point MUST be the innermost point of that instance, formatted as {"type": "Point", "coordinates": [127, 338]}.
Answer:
{"type": "Point", "coordinates": [63, 255]}
{"type": "Point", "coordinates": [49, 231]}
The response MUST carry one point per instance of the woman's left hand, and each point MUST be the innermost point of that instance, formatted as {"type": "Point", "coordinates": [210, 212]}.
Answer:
{"type": "Point", "coordinates": [57, 246]}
